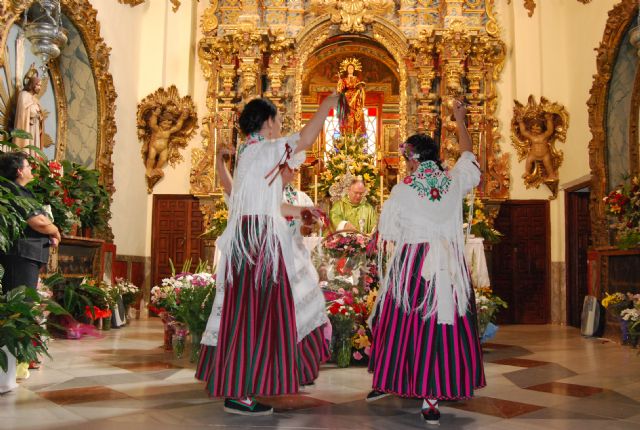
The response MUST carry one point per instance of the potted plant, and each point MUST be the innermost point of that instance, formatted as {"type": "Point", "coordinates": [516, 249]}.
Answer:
{"type": "Point", "coordinates": [22, 335]}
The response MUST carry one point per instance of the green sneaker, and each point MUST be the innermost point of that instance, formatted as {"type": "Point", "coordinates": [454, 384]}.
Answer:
{"type": "Point", "coordinates": [247, 406]}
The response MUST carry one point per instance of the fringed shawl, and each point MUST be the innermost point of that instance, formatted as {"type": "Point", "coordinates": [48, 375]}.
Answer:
{"type": "Point", "coordinates": [426, 207]}
{"type": "Point", "coordinates": [257, 194]}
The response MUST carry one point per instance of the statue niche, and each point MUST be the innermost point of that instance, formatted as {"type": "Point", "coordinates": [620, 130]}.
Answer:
{"type": "Point", "coordinates": [166, 122]}
{"type": "Point", "coordinates": [353, 89]}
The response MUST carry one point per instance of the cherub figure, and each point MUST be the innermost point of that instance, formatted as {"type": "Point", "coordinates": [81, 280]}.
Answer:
{"type": "Point", "coordinates": [166, 122]}
{"type": "Point", "coordinates": [162, 127]}
{"type": "Point", "coordinates": [535, 127]}
{"type": "Point", "coordinates": [540, 147]}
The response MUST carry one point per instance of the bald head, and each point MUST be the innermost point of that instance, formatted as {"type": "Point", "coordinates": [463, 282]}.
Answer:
{"type": "Point", "coordinates": [357, 191]}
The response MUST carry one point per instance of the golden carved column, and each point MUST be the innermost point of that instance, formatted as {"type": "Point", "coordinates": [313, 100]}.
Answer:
{"type": "Point", "coordinates": [249, 43]}
{"type": "Point", "coordinates": [280, 55]}
{"type": "Point", "coordinates": [218, 61]}
{"type": "Point", "coordinates": [453, 49]}
{"type": "Point", "coordinates": [425, 61]}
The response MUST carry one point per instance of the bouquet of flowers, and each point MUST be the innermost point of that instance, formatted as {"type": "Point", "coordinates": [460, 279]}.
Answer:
{"type": "Point", "coordinates": [616, 303]}
{"type": "Point", "coordinates": [623, 204]}
{"type": "Point", "coordinates": [487, 306]}
{"type": "Point", "coordinates": [481, 221]}
{"type": "Point", "coordinates": [163, 298]}
{"type": "Point", "coordinates": [128, 291]}
{"type": "Point", "coordinates": [194, 294]}
{"type": "Point", "coordinates": [218, 221]}
{"type": "Point", "coordinates": [339, 245]}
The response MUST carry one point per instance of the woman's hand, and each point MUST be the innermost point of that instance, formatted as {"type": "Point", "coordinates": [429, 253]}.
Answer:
{"type": "Point", "coordinates": [225, 152]}
{"type": "Point", "coordinates": [311, 216]}
{"type": "Point", "coordinates": [459, 110]}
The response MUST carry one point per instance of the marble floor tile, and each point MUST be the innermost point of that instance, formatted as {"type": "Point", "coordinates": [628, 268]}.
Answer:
{"type": "Point", "coordinates": [565, 389]}
{"type": "Point", "coordinates": [539, 377]}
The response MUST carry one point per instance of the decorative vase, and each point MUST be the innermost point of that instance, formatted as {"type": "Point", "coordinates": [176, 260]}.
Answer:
{"type": "Point", "coordinates": [178, 342]}
{"type": "Point", "coordinates": [106, 323]}
{"type": "Point", "coordinates": [343, 351]}
{"type": "Point", "coordinates": [166, 319]}
{"type": "Point", "coordinates": [195, 347]}
{"type": "Point", "coordinates": [624, 331]}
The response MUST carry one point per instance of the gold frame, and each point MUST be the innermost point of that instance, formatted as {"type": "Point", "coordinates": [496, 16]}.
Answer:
{"type": "Point", "coordinates": [620, 17]}
{"type": "Point", "coordinates": [82, 14]}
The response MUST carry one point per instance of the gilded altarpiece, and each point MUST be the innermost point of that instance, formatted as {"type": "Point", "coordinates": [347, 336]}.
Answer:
{"type": "Point", "coordinates": [417, 57]}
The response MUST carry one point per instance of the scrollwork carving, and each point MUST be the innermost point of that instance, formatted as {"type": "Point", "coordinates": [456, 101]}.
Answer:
{"type": "Point", "coordinates": [352, 15]}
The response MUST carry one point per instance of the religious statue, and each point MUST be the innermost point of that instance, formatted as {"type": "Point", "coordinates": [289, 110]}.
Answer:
{"type": "Point", "coordinates": [535, 128]}
{"type": "Point", "coordinates": [29, 114]}
{"type": "Point", "coordinates": [353, 212]}
{"type": "Point", "coordinates": [353, 89]}
{"type": "Point", "coordinates": [166, 122]}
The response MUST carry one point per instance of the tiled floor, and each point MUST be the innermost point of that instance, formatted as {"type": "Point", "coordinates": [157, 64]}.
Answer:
{"type": "Point", "coordinates": [539, 377]}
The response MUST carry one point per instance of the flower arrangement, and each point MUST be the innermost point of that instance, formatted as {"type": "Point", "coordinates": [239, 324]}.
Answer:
{"type": "Point", "coordinates": [616, 303]}
{"type": "Point", "coordinates": [128, 291]}
{"type": "Point", "coordinates": [187, 298]}
{"type": "Point", "coordinates": [623, 205]}
{"type": "Point", "coordinates": [76, 297]}
{"type": "Point", "coordinates": [217, 222]}
{"type": "Point", "coordinates": [339, 245]}
{"type": "Point", "coordinates": [487, 306]}
{"type": "Point", "coordinates": [349, 155]}
{"type": "Point", "coordinates": [481, 221]}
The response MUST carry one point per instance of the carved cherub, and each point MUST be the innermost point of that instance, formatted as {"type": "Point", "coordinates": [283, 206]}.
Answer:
{"type": "Point", "coordinates": [534, 131]}
{"type": "Point", "coordinates": [162, 127]}
{"type": "Point", "coordinates": [166, 122]}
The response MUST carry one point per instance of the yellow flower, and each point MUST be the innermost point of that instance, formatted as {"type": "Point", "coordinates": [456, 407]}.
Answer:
{"type": "Point", "coordinates": [361, 341]}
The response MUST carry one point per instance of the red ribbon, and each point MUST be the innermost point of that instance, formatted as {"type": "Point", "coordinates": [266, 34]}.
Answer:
{"type": "Point", "coordinates": [282, 163]}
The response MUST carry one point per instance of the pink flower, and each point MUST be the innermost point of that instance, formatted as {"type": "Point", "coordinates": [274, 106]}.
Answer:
{"type": "Point", "coordinates": [407, 180]}
{"type": "Point", "coordinates": [367, 351]}
{"type": "Point", "coordinates": [340, 290]}
{"type": "Point", "coordinates": [357, 355]}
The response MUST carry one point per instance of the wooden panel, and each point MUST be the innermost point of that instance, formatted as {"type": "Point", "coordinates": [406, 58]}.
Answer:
{"type": "Point", "coordinates": [521, 261]}
{"type": "Point", "coordinates": [178, 224]}
{"type": "Point", "coordinates": [578, 232]}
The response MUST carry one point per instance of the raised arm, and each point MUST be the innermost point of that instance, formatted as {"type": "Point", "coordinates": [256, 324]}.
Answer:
{"type": "Point", "coordinates": [549, 124]}
{"type": "Point", "coordinates": [226, 180]}
{"type": "Point", "coordinates": [312, 129]}
{"type": "Point", "coordinates": [464, 138]}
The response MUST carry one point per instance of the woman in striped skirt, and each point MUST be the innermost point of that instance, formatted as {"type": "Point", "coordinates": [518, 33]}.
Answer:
{"type": "Point", "coordinates": [257, 351]}
{"type": "Point", "coordinates": [425, 340]}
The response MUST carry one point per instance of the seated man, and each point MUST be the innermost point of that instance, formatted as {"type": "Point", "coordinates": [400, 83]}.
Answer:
{"type": "Point", "coordinates": [353, 212]}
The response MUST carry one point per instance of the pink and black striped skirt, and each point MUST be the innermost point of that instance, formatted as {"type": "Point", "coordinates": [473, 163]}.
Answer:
{"type": "Point", "coordinates": [258, 353]}
{"type": "Point", "coordinates": [413, 357]}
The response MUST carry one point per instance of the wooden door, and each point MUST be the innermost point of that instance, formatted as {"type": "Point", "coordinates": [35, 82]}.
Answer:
{"type": "Point", "coordinates": [521, 261]}
{"type": "Point", "coordinates": [177, 226]}
{"type": "Point", "coordinates": [578, 232]}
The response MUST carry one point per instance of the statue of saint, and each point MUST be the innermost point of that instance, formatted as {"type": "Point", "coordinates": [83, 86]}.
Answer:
{"type": "Point", "coordinates": [29, 115]}
{"type": "Point", "coordinates": [353, 89]}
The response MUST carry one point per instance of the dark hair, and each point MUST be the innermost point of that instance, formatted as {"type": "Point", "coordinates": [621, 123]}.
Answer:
{"type": "Point", "coordinates": [425, 147]}
{"type": "Point", "coordinates": [10, 162]}
{"type": "Point", "coordinates": [255, 113]}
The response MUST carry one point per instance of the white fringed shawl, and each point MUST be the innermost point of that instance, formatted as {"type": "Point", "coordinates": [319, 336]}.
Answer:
{"type": "Point", "coordinates": [413, 215]}
{"type": "Point", "coordinates": [254, 193]}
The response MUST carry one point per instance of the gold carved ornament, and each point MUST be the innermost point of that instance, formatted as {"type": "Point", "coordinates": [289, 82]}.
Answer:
{"type": "Point", "coordinates": [352, 15]}
{"type": "Point", "coordinates": [132, 3]}
{"type": "Point", "coordinates": [165, 123]}
{"type": "Point", "coordinates": [530, 5]}
{"type": "Point", "coordinates": [620, 17]}
{"type": "Point", "coordinates": [535, 128]}
{"type": "Point", "coordinates": [83, 16]}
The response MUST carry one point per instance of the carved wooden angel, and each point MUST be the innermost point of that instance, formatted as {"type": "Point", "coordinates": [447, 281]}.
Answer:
{"type": "Point", "coordinates": [535, 127]}
{"type": "Point", "coordinates": [166, 122]}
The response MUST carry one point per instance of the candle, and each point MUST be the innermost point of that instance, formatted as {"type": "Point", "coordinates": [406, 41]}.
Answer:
{"type": "Point", "coordinates": [315, 190]}
{"type": "Point", "coordinates": [381, 188]}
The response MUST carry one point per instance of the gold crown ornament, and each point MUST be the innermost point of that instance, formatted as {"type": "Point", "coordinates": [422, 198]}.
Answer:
{"type": "Point", "coordinates": [357, 66]}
